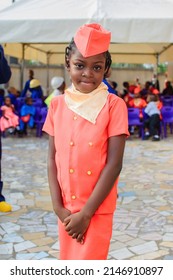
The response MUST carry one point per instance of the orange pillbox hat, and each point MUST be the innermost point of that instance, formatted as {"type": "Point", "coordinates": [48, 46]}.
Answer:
{"type": "Point", "coordinates": [92, 39]}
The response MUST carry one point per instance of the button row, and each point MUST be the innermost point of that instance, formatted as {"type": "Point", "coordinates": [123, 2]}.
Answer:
{"type": "Point", "coordinates": [71, 170]}
{"type": "Point", "coordinates": [89, 143]}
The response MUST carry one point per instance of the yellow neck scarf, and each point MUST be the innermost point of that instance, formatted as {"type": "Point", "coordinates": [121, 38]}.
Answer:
{"type": "Point", "coordinates": [86, 105]}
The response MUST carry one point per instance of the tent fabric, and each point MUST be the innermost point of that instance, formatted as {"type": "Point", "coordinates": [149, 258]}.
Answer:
{"type": "Point", "coordinates": [121, 53]}
{"type": "Point", "coordinates": [141, 29]}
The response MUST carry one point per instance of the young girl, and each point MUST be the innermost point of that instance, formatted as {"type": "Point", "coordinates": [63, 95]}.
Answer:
{"type": "Point", "coordinates": [87, 130]}
{"type": "Point", "coordinates": [9, 119]}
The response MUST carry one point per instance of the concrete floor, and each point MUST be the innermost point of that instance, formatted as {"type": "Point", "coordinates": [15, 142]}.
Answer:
{"type": "Point", "coordinates": [143, 221]}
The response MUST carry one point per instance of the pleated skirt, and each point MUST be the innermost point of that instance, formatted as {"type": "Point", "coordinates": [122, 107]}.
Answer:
{"type": "Point", "coordinates": [96, 241]}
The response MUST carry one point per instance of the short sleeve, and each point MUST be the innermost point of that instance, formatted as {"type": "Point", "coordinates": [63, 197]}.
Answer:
{"type": "Point", "coordinates": [48, 126]}
{"type": "Point", "coordinates": [118, 123]}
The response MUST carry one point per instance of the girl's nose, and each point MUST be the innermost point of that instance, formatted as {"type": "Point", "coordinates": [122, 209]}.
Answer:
{"type": "Point", "coordinates": [87, 73]}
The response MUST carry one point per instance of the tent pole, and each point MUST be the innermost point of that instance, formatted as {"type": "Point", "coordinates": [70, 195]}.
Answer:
{"type": "Point", "coordinates": [47, 84]}
{"type": "Point", "coordinates": [157, 63]}
{"type": "Point", "coordinates": [22, 66]}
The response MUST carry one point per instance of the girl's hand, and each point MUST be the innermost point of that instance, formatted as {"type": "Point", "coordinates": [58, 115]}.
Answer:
{"type": "Point", "coordinates": [76, 225]}
{"type": "Point", "coordinates": [62, 213]}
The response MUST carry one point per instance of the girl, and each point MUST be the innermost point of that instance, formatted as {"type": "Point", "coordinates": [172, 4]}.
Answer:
{"type": "Point", "coordinates": [87, 130]}
{"type": "Point", "coordinates": [9, 119]}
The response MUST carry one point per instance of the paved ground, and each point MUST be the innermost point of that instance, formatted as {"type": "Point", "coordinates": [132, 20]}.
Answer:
{"type": "Point", "coordinates": [143, 221]}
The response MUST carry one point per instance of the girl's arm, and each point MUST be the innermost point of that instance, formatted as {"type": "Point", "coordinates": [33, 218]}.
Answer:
{"type": "Point", "coordinates": [77, 224]}
{"type": "Point", "coordinates": [12, 107]}
{"type": "Point", "coordinates": [3, 114]}
{"type": "Point", "coordinates": [108, 176]}
{"type": "Point", "coordinates": [55, 190]}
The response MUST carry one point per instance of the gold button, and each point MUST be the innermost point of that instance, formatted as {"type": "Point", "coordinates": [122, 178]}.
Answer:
{"type": "Point", "coordinates": [75, 118]}
{"type": "Point", "coordinates": [71, 143]}
{"type": "Point", "coordinates": [71, 170]}
{"type": "Point", "coordinates": [90, 144]}
{"type": "Point", "coordinates": [73, 197]}
{"type": "Point", "coordinates": [89, 172]}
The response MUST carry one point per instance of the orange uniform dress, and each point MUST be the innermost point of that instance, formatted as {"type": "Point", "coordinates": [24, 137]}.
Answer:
{"type": "Point", "coordinates": [81, 152]}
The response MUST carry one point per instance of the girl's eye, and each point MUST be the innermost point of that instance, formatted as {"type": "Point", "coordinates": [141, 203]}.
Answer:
{"type": "Point", "coordinates": [79, 66]}
{"type": "Point", "coordinates": [97, 67]}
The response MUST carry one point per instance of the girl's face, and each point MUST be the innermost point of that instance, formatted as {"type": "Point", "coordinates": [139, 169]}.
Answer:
{"type": "Point", "coordinates": [7, 101]}
{"type": "Point", "coordinates": [86, 73]}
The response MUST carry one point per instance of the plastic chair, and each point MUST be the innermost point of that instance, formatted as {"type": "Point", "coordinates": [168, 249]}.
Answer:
{"type": "Point", "coordinates": [167, 119]}
{"type": "Point", "coordinates": [40, 121]}
{"type": "Point", "coordinates": [167, 100]}
{"type": "Point", "coordinates": [134, 120]}
{"type": "Point", "coordinates": [19, 102]}
{"type": "Point", "coordinates": [37, 102]}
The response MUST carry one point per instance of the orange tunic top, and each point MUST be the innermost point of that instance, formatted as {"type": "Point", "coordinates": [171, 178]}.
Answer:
{"type": "Point", "coordinates": [81, 149]}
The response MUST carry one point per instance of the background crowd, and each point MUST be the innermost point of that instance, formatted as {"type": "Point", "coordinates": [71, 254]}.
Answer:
{"type": "Point", "coordinates": [28, 108]}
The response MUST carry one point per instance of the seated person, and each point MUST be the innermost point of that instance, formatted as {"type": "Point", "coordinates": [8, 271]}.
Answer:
{"type": "Point", "coordinates": [152, 123]}
{"type": "Point", "coordinates": [27, 115]}
{"type": "Point", "coordinates": [58, 86]}
{"type": "Point", "coordinates": [9, 120]}
{"type": "Point", "coordinates": [36, 90]}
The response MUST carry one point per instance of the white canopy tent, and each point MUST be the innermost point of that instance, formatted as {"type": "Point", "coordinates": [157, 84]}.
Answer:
{"type": "Point", "coordinates": [40, 29]}
{"type": "Point", "coordinates": [141, 29]}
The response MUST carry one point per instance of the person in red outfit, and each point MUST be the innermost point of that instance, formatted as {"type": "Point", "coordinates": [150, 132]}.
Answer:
{"type": "Point", "coordinates": [138, 102]}
{"type": "Point", "coordinates": [87, 129]}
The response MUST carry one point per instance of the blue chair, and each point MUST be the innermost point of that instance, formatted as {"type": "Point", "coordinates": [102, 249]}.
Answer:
{"type": "Point", "coordinates": [167, 119]}
{"type": "Point", "coordinates": [40, 121]}
{"type": "Point", "coordinates": [167, 100]}
{"type": "Point", "coordinates": [19, 102]}
{"type": "Point", "coordinates": [37, 102]}
{"type": "Point", "coordinates": [134, 120]}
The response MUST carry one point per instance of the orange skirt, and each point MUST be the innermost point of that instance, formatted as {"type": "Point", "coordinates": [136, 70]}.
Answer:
{"type": "Point", "coordinates": [96, 242]}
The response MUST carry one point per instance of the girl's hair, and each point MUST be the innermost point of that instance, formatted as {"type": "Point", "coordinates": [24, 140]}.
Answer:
{"type": "Point", "coordinates": [72, 47]}
{"type": "Point", "coordinates": [153, 97]}
{"type": "Point", "coordinates": [7, 97]}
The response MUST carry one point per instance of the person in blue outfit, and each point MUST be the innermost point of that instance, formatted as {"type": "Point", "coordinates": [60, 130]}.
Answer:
{"type": "Point", "coordinates": [110, 88]}
{"type": "Point", "coordinates": [5, 75]}
{"type": "Point", "coordinates": [27, 115]}
{"type": "Point", "coordinates": [27, 84]}
{"type": "Point", "coordinates": [106, 82]}
{"type": "Point", "coordinates": [35, 88]}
